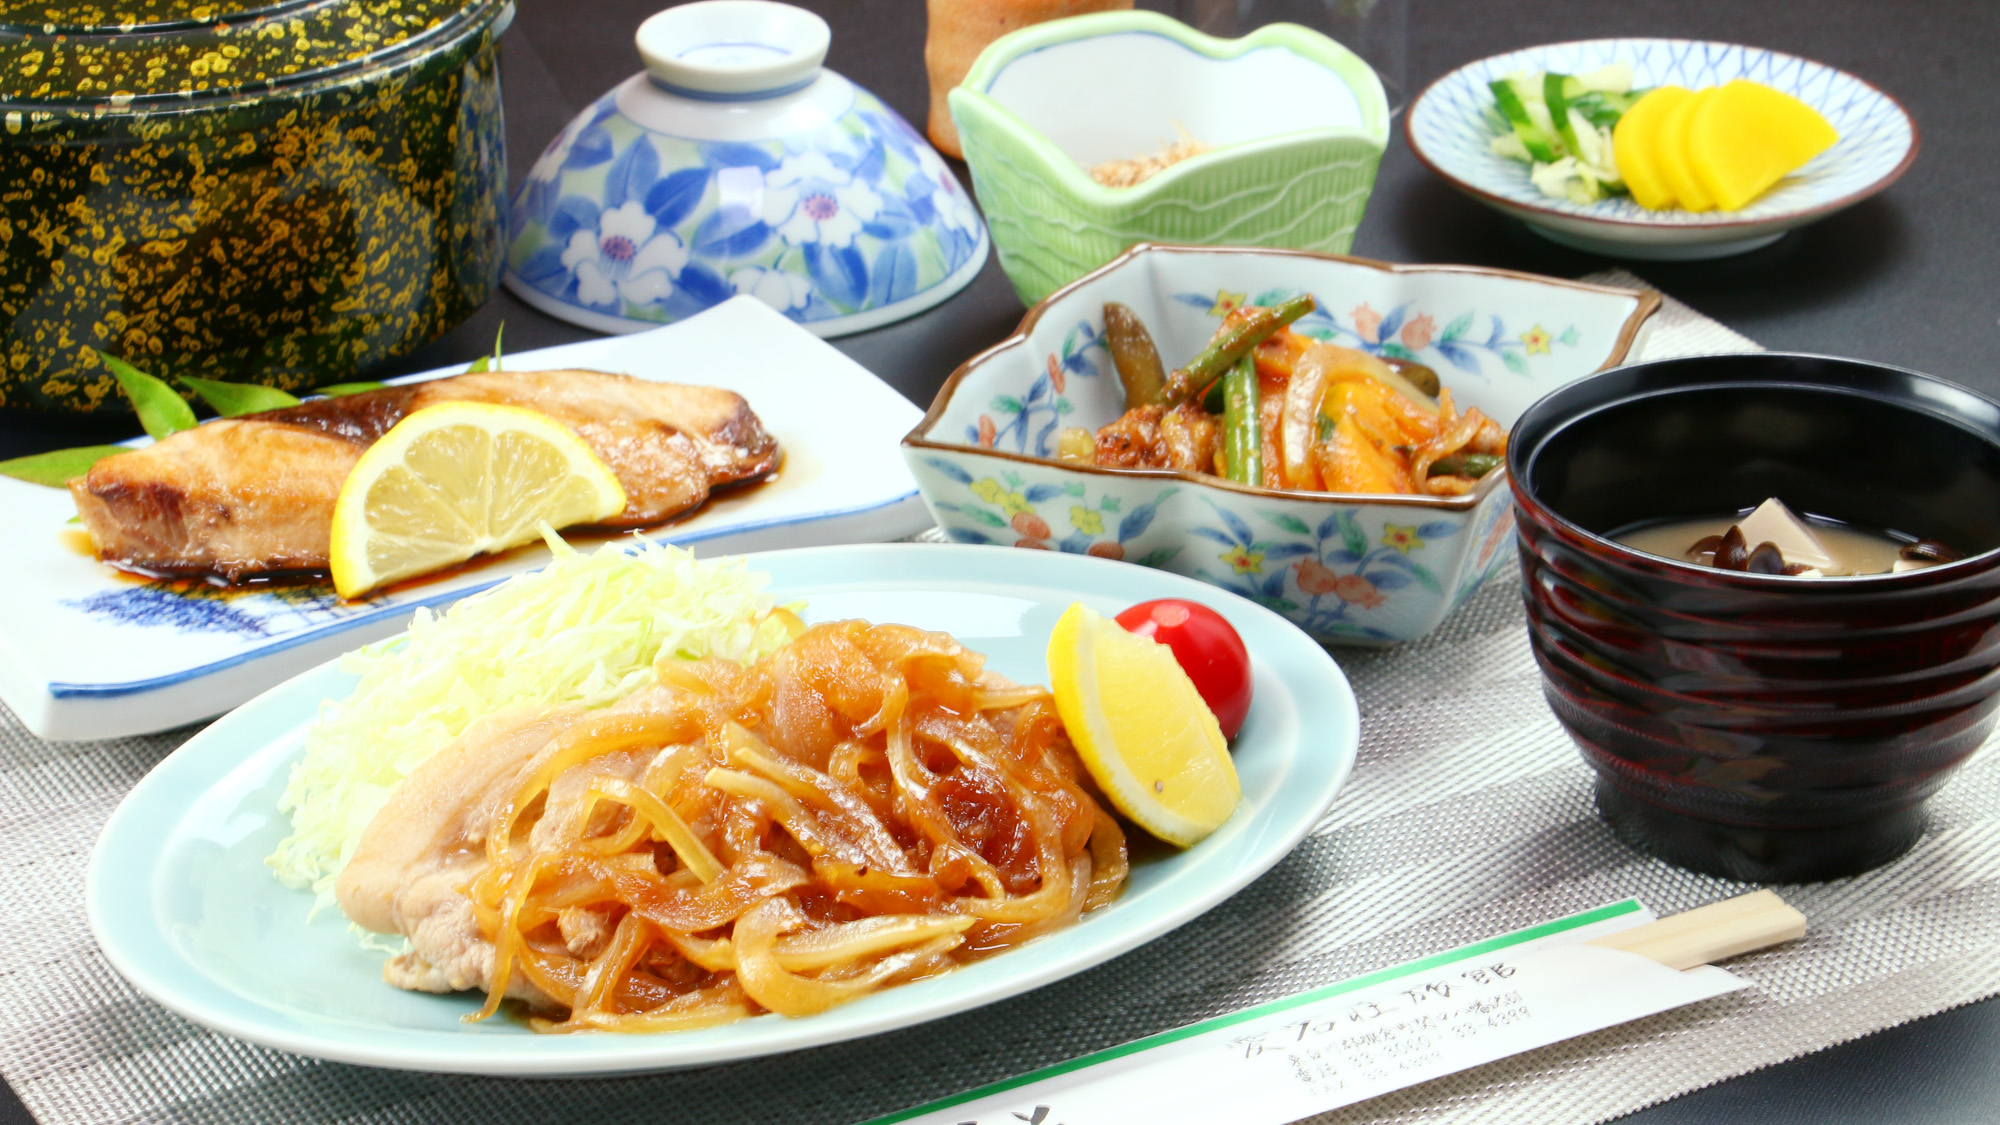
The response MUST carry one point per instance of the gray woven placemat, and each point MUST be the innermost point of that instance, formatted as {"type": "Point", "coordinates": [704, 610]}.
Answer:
{"type": "Point", "coordinates": [1469, 814]}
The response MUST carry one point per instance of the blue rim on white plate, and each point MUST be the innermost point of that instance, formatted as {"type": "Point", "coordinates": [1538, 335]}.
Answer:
{"type": "Point", "coordinates": [1450, 125]}
{"type": "Point", "coordinates": [88, 653]}
{"type": "Point", "coordinates": [181, 903]}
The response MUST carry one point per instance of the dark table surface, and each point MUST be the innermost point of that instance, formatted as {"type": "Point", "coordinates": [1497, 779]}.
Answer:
{"type": "Point", "coordinates": [1911, 277]}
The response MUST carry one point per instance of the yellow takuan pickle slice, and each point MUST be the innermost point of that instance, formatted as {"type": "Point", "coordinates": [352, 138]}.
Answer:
{"type": "Point", "coordinates": [1744, 137]}
{"type": "Point", "coordinates": [1670, 153]}
{"type": "Point", "coordinates": [1632, 147]}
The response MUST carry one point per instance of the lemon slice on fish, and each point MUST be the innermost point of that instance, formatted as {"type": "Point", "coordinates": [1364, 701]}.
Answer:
{"type": "Point", "coordinates": [1141, 728]}
{"type": "Point", "coordinates": [457, 480]}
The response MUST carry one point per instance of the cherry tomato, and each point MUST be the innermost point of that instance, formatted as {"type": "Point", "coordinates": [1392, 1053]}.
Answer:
{"type": "Point", "coordinates": [1207, 648]}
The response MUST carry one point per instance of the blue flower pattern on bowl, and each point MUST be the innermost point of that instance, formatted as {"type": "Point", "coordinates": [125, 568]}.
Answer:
{"type": "Point", "coordinates": [1084, 353]}
{"type": "Point", "coordinates": [1007, 511]}
{"type": "Point", "coordinates": [1357, 577]}
{"type": "Point", "coordinates": [1402, 334]}
{"type": "Point", "coordinates": [1326, 578]}
{"type": "Point", "coordinates": [637, 225]}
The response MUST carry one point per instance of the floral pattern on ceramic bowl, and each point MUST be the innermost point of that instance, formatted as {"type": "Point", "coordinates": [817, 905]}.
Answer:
{"type": "Point", "coordinates": [818, 200]}
{"type": "Point", "coordinates": [1347, 568]}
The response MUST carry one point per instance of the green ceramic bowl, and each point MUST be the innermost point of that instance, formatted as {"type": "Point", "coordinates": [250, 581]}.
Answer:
{"type": "Point", "coordinates": [1295, 125]}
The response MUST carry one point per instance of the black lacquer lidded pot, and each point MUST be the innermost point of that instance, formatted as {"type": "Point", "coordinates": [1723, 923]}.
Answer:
{"type": "Point", "coordinates": [275, 191]}
{"type": "Point", "coordinates": [1763, 727]}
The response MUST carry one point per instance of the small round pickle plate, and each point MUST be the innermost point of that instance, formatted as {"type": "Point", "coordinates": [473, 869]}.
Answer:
{"type": "Point", "coordinates": [1451, 125]}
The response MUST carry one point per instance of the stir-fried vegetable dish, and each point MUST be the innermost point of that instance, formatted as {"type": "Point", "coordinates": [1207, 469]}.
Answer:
{"type": "Point", "coordinates": [1265, 405]}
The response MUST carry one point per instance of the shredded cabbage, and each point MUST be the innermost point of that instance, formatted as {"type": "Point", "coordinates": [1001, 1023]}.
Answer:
{"type": "Point", "coordinates": [1611, 78]}
{"type": "Point", "coordinates": [583, 631]}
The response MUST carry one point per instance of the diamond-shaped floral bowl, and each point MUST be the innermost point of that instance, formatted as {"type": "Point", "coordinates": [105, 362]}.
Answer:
{"type": "Point", "coordinates": [1348, 568]}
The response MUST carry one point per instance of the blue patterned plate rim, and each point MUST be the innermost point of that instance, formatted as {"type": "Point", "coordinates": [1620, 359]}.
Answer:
{"type": "Point", "coordinates": [185, 845]}
{"type": "Point", "coordinates": [63, 690]}
{"type": "Point", "coordinates": [1702, 222]}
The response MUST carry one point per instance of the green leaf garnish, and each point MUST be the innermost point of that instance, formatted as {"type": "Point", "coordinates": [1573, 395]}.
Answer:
{"type": "Point", "coordinates": [57, 466]}
{"type": "Point", "coordinates": [161, 409]}
{"type": "Point", "coordinates": [233, 399]}
{"type": "Point", "coordinates": [489, 362]}
{"type": "Point", "coordinates": [335, 390]}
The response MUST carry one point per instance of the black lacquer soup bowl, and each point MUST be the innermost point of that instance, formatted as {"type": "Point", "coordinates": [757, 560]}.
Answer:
{"type": "Point", "coordinates": [1755, 726]}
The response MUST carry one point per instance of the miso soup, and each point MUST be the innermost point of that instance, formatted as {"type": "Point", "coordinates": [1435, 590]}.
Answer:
{"type": "Point", "coordinates": [1807, 545]}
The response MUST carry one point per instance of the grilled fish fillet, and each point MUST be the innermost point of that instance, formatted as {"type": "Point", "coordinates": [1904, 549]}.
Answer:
{"type": "Point", "coordinates": [253, 495]}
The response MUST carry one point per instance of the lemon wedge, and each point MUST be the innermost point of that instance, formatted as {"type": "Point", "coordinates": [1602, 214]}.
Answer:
{"type": "Point", "coordinates": [457, 480]}
{"type": "Point", "coordinates": [1141, 728]}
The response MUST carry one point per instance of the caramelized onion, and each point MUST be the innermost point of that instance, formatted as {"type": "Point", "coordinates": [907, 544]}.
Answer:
{"type": "Point", "coordinates": [844, 942]}
{"type": "Point", "coordinates": [865, 807]}
{"type": "Point", "coordinates": [648, 808]}
{"type": "Point", "coordinates": [781, 990]}
{"type": "Point", "coordinates": [1300, 418]}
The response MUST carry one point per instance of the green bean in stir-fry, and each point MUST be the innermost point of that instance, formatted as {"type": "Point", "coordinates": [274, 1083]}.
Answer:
{"type": "Point", "coordinates": [1263, 405]}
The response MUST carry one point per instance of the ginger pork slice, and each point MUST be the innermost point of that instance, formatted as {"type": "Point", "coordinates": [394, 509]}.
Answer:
{"type": "Point", "coordinates": [429, 840]}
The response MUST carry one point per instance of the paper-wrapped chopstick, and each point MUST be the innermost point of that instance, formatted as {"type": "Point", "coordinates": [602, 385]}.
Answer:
{"type": "Point", "coordinates": [1712, 933]}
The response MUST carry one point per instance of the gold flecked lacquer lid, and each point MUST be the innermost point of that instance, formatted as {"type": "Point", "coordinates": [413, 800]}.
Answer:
{"type": "Point", "coordinates": [63, 57]}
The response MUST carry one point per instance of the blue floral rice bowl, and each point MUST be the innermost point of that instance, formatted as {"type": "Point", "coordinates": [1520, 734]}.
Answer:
{"type": "Point", "coordinates": [1349, 568]}
{"type": "Point", "coordinates": [681, 188]}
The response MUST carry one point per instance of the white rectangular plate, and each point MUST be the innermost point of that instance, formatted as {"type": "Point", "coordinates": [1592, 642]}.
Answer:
{"type": "Point", "coordinates": [86, 652]}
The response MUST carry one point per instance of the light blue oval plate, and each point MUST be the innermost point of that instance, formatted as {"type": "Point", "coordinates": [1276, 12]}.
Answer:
{"type": "Point", "coordinates": [181, 902]}
{"type": "Point", "coordinates": [1452, 123]}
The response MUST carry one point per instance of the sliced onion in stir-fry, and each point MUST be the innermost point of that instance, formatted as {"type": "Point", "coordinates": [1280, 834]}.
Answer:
{"type": "Point", "coordinates": [864, 807]}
